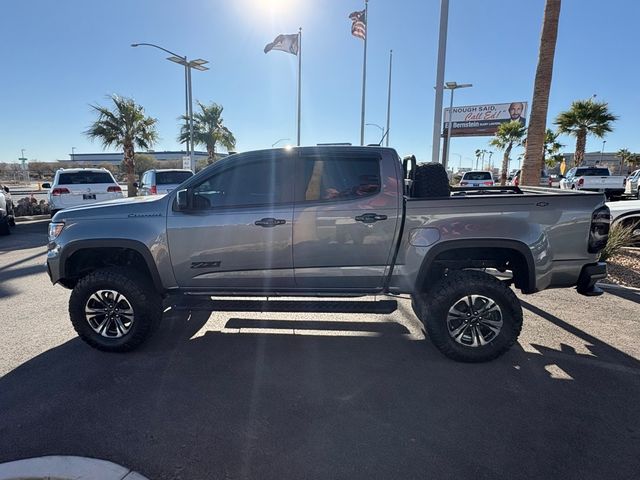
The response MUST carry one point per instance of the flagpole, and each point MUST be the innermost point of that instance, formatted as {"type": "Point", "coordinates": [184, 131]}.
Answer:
{"type": "Point", "coordinates": [389, 96]}
{"type": "Point", "coordinates": [364, 68]}
{"type": "Point", "coordinates": [442, 52]}
{"type": "Point", "coordinates": [299, 78]}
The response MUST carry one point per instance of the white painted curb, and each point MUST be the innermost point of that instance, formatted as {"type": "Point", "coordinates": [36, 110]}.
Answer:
{"type": "Point", "coordinates": [614, 286]}
{"type": "Point", "coordinates": [65, 468]}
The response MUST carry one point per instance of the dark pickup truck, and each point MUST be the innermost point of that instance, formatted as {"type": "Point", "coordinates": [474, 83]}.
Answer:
{"type": "Point", "coordinates": [329, 221]}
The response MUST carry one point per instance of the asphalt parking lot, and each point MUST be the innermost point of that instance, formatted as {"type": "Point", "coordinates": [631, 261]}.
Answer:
{"type": "Point", "coordinates": [244, 394]}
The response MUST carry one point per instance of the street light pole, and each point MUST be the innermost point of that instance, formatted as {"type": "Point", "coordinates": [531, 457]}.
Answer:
{"type": "Point", "coordinates": [376, 125]}
{"type": "Point", "coordinates": [73, 153]}
{"type": "Point", "coordinates": [278, 141]}
{"type": "Point", "coordinates": [602, 151]}
{"type": "Point", "coordinates": [451, 86]}
{"type": "Point", "coordinates": [198, 64]}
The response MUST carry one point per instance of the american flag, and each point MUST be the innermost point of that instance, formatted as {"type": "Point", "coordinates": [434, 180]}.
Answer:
{"type": "Point", "coordinates": [359, 25]}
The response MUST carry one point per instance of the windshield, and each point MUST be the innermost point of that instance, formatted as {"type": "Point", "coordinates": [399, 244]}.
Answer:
{"type": "Point", "coordinates": [593, 172]}
{"type": "Point", "coordinates": [477, 176]}
{"type": "Point", "coordinates": [79, 178]}
{"type": "Point", "coordinates": [166, 178]}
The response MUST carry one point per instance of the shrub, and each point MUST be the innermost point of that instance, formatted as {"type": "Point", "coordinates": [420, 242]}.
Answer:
{"type": "Point", "coordinates": [620, 236]}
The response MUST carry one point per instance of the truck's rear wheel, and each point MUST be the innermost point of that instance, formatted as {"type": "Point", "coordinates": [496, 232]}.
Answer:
{"type": "Point", "coordinates": [470, 316]}
{"type": "Point", "coordinates": [115, 309]}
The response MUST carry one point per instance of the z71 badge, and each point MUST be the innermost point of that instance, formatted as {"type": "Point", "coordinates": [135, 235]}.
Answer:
{"type": "Point", "coordinates": [205, 264]}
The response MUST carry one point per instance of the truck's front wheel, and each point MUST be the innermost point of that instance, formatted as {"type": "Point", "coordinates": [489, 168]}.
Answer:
{"type": "Point", "coordinates": [115, 309]}
{"type": "Point", "coordinates": [470, 316]}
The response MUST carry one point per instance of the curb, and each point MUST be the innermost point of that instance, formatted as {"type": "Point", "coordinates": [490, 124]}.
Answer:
{"type": "Point", "coordinates": [66, 468]}
{"type": "Point", "coordinates": [30, 218]}
{"type": "Point", "coordinates": [613, 286]}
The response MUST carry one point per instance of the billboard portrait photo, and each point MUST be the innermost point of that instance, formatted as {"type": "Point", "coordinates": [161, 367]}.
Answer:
{"type": "Point", "coordinates": [483, 120]}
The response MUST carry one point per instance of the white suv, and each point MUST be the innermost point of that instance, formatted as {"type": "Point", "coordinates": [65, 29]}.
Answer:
{"type": "Point", "coordinates": [81, 186]}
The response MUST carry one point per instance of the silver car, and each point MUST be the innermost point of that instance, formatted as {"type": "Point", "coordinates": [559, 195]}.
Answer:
{"type": "Point", "coordinates": [162, 181]}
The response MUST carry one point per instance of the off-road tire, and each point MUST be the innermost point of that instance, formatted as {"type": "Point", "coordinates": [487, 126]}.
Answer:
{"type": "Point", "coordinates": [139, 291]}
{"type": "Point", "coordinates": [432, 308]}
{"type": "Point", "coordinates": [4, 226]}
{"type": "Point", "coordinates": [430, 180]}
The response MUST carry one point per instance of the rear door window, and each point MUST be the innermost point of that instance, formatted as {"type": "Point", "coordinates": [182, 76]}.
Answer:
{"type": "Point", "coordinates": [335, 179]}
{"type": "Point", "coordinates": [172, 178]}
{"type": "Point", "coordinates": [79, 178]}
{"type": "Point", "coordinates": [477, 176]}
{"type": "Point", "coordinates": [593, 172]}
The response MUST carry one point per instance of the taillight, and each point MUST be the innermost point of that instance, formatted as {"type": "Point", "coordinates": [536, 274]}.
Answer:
{"type": "Point", "coordinates": [599, 231]}
{"type": "Point", "coordinates": [549, 182]}
{"type": "Point", "coordinates": [153, 189]}
{"type": "Point", "coordinates": [516, 182]}
{"type": "Point", "coordinates": [488, 184]}
{"type": "Point", "coordinates": [114, 189]}
{"type": "Point", "coordinates": [581, 182]}
{"type": "Point", "coordinates": [56, 192]}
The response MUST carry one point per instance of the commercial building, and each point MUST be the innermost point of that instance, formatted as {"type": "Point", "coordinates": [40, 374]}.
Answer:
{"type": "Point", "coordinates": [97, 159]}
{"type": "Point", "coordinates": [603, 159]}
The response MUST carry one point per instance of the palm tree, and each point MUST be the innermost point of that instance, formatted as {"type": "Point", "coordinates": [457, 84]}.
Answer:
{"type": "Point", "coordinates": [509, 134]}
{"type": "Point", "coordinates": [552, 148]}
{"type": "Point", "coordinates": [208, 130]}
{"type": "Point", "coordinates": [126, 127]}
{"type": "Point", "coordinates": [585, 117]}
{"type": "Point", "coordinates": [533, 163]}
{"type": "Point", "coordinates": [626, 157]}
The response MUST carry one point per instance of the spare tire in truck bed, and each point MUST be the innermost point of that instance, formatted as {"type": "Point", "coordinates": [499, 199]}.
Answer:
{"type": "Point", "coordinates": [430, 180]}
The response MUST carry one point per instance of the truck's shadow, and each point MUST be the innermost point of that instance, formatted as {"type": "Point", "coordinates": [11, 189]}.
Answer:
{"type": "Point", "coordinates": [252, 405]}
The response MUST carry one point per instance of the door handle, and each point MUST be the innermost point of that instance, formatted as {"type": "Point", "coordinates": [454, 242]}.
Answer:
{"type": "Point", "coordinates": [370, 218]}
{"type": "Point", "coordinates": [270, 222]}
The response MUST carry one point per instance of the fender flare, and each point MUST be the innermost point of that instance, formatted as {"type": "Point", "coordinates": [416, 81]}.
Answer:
{"type": "Point", "coordinates": [75, 246]}
{"type": "Point", "coordinates": [514, 245]}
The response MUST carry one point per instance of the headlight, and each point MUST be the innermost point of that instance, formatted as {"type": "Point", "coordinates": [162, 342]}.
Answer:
{"type": "Point", "coordinates": [55, 229]}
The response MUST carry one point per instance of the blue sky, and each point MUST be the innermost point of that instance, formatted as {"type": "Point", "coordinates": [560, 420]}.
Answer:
{"type": "Point", "coordinates": [60, 57]}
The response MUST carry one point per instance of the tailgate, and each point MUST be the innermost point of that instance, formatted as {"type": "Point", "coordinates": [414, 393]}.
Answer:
{"type": "Point", "coordinates": [89, 193]}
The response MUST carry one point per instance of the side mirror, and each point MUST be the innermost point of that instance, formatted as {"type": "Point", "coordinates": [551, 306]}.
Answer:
{"type": "Point", "coordinates": [135, 184]}
{"type": "Point", "coordinates": [182, 200]}
{"type": "Point", "coordinates": [46, 185]}
{"type": "Point", "coordinates": [6, 189]}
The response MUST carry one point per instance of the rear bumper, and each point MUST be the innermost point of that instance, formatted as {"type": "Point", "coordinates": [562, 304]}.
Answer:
{"type": "Point", "coordinates": [589, 275]}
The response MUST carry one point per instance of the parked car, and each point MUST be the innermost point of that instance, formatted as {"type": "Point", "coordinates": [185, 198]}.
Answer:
{"type": "Point", "coordinates": [627, 213]}
{"type": "Point", "coordinates": [632, 184]}
{"type": "Point", "coordinates": [545, 179]}
{"type": "Point", "coordinates": [594, 179]}
{"type": "Point", "coordinates": [477, 178]}
{"type": "Point", "coordinates": [328, 221]}
{"type": "Point", "coordinates": [7, 219]}
{"type": "Point", "coordinates": [81, 186]}
{"type": "Point", "coordinates": [162, 181]}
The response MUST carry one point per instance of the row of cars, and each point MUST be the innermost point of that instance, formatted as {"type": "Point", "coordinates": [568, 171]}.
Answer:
{"type": "Point", "coordinates": [586, 178]}
{"type": "Point", "coordinates": [84, 186]}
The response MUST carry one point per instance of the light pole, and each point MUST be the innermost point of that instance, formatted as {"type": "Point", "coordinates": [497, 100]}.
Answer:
{"type": "Point", "coordinates": [459, 159]}
{"type": "Point", "coordinates": [197, 64]}
{"type": "Point", "coordinates": [73, 153]}
{"type": "Point", "coordinates": [278, 141]}
{"type": "Point", "coordinates": [451, 86]}
{"type": "Point", "coordinates": [602, 151]}
{"type": "Point", "coordinates": [376, 125]}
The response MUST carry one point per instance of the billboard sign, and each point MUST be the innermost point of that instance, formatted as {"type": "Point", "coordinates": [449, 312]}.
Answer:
{"type": "Point", "coordinates": [483, 120]}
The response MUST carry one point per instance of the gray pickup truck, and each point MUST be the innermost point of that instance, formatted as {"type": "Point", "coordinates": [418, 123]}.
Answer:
{"type": "Point", "coordinates": [329, 221]}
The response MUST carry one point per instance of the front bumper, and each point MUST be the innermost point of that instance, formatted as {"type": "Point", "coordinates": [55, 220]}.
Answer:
{"type": "Point", "coordinates": [589, 275]}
